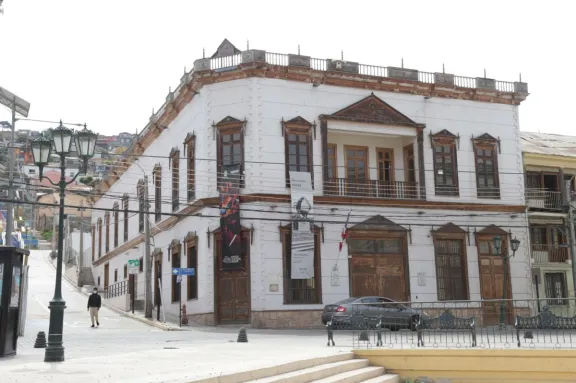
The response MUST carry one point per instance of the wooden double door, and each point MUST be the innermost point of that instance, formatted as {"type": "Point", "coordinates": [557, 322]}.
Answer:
{"type": "Point", "coordinates": [232, 287]}
{"type": "Point", "coordinates": [378, 267]}
{"type": "Point", "coordinates": [494, 272]}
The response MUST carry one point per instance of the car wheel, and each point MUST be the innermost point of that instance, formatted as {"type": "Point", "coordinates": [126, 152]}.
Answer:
{"type": "Point", "coordinates": [414, 323]}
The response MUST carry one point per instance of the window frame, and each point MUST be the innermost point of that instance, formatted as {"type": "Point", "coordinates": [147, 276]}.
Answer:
{"type": "Point", "coordinates": [408, 154]}
{"type": "Point", "coordinates": [192, 262]}
{"type": "Point", "coordinates": [141, 265]}
{"type": "Point", "coordinates": [141, 201]}
{"type": "Point", "coordinates": [125, 271]}
{"type": "Point", "coordinates": [157, 177]}
{"type": "Point", "coordinates": [116, 213]}
{"type": "Point", "coordinates": [190, 146]}
{"type": "Point", "coordinates": [115, 275]}
{"type": "Point", "coordinates": [298, 128]}
{"type": "Point", "coordinates": [286, 234]}
{"type": "Point", "coordinates": [93, 243]}
{"type": "Point", "coordinates": [564, 284]}
{"type": "Point", "coordinates": [334, 159]}
{"type": "Point", "coordinates": [176, 288]}
{"type": "Point", "coordinates": [175, 178]}
{"type": "Point", "coordinates": [445, 139]}
{"type": "Point", "coordinates": [492, 145]}
{"type": "Point", "coordinates": [125, 206]}
{"type": "Point", "coordinates": [99, 237]}
{"type": "Point", "coordinates": [107, 236]}
{"type": "Point", "coordinates": [465, 288]}
{"type": "Point", "coordinates": [225, 128]}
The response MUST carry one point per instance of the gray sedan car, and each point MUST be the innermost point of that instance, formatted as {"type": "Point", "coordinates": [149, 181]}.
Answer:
{"type": "Point", "coordinates": [394, 315]}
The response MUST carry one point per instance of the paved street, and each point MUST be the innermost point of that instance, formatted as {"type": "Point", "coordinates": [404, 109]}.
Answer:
{"type": "Point", "coordinates": [125, 350]}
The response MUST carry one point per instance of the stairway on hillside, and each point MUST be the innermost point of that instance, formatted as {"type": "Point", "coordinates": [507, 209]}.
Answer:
{"type": "Point", "coordinates": [341, 368]}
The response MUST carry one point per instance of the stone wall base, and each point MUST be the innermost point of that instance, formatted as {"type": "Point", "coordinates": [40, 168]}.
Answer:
{"type": "Point", "coordinates": [294, 319]}
{"type": "Point", "coordinates": [205, 319]}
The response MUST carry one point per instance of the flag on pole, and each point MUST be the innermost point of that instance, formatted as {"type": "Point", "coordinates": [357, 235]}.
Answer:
{"type": "Point", "coordinates": [344, 233]}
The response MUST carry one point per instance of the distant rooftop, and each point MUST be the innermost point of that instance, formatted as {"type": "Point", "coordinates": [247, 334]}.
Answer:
{"type": "Point", "coordinates": [550, 144]}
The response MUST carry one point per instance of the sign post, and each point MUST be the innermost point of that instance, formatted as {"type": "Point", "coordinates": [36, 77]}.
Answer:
{"type": "Point", "coordinates": [179, 272]}
{"type": "Point", "coordinates": [133, 269]}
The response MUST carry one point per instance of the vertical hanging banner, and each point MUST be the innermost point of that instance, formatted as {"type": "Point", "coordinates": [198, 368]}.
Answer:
{"type": "Point", "coordinates": [230, 218]}
{"type": "Point", "coordinates": [302, 198]}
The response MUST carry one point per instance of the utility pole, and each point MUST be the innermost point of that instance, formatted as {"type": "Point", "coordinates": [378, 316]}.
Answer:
{"type": "Point", "coordinates": [11, 158]}
{"type": "Point", "coordinates": [16, 104]}
{"type": "Point", "coordinates": [147, 257]}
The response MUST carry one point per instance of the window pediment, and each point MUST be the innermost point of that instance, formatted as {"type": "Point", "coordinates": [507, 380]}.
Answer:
{"type": "Point", "coordinates": [492, 230]}
{"type": "Point", "coordinates": [229, 122]}
{"type": "Point", "coordinates": [377, 223]}
{"type": "Point", "coordinates": [373, 109]}
{"type": "Point", "coordinates": [486, 140]}
{"type": "Point", "coordinates": [449, 228]}
{"type": "Point", "coordinates": [443, 137]}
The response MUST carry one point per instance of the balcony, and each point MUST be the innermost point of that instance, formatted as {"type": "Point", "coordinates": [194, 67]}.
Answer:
{"type": "Point", "coordinates": [372, 189]}
{"type": "Point", "coordinates": [543, 254]}
{"type": "Point", "coordinates": [544, 199]}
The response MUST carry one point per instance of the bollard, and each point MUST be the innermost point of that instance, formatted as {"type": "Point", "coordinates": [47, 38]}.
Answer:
{"type": "Point", "coordinates": [242, 336]}
{"type": "Point", "coordinates": [40, 340]}
{"type": "Point", "coordinates": [184, 315]}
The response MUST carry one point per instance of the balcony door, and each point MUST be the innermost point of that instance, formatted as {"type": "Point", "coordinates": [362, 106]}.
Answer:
{"type": "Point", "coordinates": [385, 170]}
{"type": "Point", "coordinates": [357, 181]}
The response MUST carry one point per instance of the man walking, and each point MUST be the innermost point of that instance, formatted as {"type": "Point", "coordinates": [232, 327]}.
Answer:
{"type": "Point", "coordinates": [94, 304]}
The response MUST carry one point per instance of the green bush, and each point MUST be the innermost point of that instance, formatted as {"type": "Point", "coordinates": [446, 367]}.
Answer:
{"type": "Point", "coordinates": [47, 235]}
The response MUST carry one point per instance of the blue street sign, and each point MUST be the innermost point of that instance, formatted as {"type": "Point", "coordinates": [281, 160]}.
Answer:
{"type": "Point", "coordinates": [190, 271]}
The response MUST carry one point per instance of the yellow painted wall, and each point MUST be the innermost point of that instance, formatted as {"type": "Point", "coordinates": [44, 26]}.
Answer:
{"type": "Point", "coordinates": [478, 366]}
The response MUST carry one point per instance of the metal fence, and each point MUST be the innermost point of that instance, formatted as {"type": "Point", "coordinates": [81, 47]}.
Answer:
{"type": "Point", "coordinates": [116, 290]}
{"type": "Point", "coordinates": [495, 324]}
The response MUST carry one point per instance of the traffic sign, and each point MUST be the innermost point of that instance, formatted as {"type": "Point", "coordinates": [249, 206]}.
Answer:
{"type": "Point", "coordinates": [133, 266]}
{"type": "Point", "coordinates": [184, 271]}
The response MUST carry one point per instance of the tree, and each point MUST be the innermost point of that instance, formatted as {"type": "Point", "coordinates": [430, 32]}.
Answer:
{"type": "Point", "coordinates": [88, 180]}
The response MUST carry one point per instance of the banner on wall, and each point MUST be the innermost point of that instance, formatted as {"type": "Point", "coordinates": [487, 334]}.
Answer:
{"type": "Point", "coordinates": [231, 230]}
{"type": "Point", "coordinates": [302, 198]}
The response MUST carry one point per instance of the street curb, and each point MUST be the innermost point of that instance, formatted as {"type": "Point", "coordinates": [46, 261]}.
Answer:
{"type": "Point", "coordinates": [116, 310]}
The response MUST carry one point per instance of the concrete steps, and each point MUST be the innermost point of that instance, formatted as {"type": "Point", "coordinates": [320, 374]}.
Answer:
{"type": "Point", "coordinates": [340, 368]}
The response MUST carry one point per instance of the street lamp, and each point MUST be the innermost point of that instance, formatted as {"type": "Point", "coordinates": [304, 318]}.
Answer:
{"type": "Point", "coordinates": [60, 140]}
{"type": "Point", "coordinates": [514, 244]}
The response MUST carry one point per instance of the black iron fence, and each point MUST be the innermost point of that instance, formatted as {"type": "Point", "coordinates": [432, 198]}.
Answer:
{"type": "Point", "coordinates": [115, 290]}
{"type": "Point", "coordinates": [530, 323]}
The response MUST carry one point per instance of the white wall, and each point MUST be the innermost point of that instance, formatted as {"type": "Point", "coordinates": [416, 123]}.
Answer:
{"type": "Point", "coordinates": [264, 103]}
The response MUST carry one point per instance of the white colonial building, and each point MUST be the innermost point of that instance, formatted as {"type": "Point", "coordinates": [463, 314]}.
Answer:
{"type": "Point", "coordinates": [429, 166]}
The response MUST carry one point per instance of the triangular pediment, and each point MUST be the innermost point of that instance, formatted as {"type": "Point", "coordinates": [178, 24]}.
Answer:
{"type": "Point", "coordinates": [377, 222]}
{"type": "Point", "coordinates": [229, 120]}
{"type": "Point", "coordinates": [226, 48]}
{"type": "Point", "coordinates": [373, 109]}
{"type": "Point", "coordinates": [493, 230]}
{"type": "Point", "coordinates": [485, 137]}
{"type": "Point", "coordinates": [444, 133]}
{"type": "Point", "coordinates": [449, 228]}
{"type": "Point", "coordinates": [298, 121]}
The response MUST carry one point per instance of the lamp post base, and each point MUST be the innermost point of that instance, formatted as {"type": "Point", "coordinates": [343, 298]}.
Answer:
{"type": "Point", "coordinates": [55, 349]}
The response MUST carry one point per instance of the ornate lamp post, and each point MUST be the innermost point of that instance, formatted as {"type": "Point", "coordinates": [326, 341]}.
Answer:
{"type": "Point", "coordinates": [514, 244]}
{"type": "Point", "coordinates": [61, 141]}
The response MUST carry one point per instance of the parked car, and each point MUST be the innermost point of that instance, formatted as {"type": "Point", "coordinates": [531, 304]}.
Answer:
{"type": "Point", "coordinates": [394, 315]}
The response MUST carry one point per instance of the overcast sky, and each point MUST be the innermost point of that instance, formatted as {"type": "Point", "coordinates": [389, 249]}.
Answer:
{"type": "Point", "coordinates": [109, 62]}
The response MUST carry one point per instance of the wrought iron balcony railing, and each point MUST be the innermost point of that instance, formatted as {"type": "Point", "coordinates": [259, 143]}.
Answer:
{"type": "Point", "coordinates": [372, 189]}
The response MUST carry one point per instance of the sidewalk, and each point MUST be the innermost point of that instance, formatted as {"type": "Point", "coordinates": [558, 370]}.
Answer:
{"type": "Point", "coordinates": [176, 362]}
